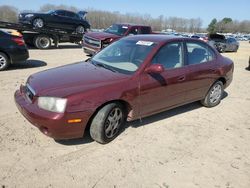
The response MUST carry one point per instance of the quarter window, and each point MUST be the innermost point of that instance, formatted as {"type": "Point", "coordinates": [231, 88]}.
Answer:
{"type": "Point", "coordinates": [199, 53]}
{"type": "Point", "coordinates": [170, 56]}
{"type": "Point", "coordinates": [71, 14]}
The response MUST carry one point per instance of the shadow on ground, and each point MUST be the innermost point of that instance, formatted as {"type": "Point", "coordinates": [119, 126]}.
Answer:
{"type": "Point", "coordinates": [85, 140]}
{"type": "Point", "coordinates": [31, 63]}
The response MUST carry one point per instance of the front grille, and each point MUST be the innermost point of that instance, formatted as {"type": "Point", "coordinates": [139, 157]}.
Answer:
{"type": "Point", "coordinates": [29, 92]}
{"type": "Point", "coordinates": [92, 42]}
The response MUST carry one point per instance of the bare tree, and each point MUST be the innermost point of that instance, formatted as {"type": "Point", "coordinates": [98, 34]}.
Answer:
{"type": "Point", "coordinates": [8, 13]}
{"type": "Point", "coordinates": [48, 7]}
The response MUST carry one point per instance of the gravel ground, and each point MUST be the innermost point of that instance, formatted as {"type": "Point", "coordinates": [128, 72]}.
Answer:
{"type": "Point", "coordinates": [190, 146]}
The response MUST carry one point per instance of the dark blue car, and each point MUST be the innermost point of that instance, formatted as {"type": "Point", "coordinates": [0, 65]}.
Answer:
{"type": "Point", "coordinates": [12, 50]}
{"type": "Point", "coordinates": [61, 19]}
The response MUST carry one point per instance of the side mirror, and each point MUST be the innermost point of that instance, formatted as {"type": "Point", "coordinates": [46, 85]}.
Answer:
{"type": "Point", "coordinates": [155, 69]}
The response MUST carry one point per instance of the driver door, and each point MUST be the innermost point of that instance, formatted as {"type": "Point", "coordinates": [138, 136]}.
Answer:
{"type": "Point", "coordinates": [166, 90]}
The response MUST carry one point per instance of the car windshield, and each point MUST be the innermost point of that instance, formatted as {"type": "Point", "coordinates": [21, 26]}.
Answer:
{"type": "Point", "coordinates": [117, 29]}
{"type": "Point", "coordinates": [124, 56]}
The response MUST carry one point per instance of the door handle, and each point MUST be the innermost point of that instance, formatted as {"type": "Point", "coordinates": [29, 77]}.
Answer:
{"type": "Point", "coordinates": [213, 70]}
{"type": "Point", "coordinates": [181, 78]}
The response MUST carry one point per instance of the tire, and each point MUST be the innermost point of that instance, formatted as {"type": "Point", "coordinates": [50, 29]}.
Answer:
{"type": "Point", "coordinates": [42, 42]}
{"type": "Point", "coordinates": [80, 29]}
{"type": "Point", "coordinates": [107, 123]}
{"type": "Point", "coordinates": [38, 23]}
{"type": "Point", "coordinates": [4, 61]}
{"type": "Point", "coordinates": [214, 95]}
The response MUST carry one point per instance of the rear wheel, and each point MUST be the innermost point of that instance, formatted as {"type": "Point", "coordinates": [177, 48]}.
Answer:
{"type": "Point", "coordinates": [214, 95]}
{"type": "Point", "coordinates": [38, 23]}
{"type": "Point", "coordinates": [42, 42]}
{"type": "Point", "coordinates": [107, 123]}
{"type": "Point", "coordinates": [80, 29]}
{"type": "Point", "coordinates": [4, 61]}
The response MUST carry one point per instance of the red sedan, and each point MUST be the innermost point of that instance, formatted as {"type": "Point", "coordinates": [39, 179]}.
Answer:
{"type": "Point", "coordinates": [132, 78]}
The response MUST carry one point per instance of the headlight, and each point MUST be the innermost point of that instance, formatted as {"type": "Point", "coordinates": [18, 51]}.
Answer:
{"type": "Point", "coordinates": [52, 104]}
{"type": "Point", "coordinates": [29, 15]}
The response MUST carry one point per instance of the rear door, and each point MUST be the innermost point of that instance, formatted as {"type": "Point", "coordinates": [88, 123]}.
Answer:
{"type": "Point", "coordinates": [202, 69]}
{"type": "Point", "coordinates": [61, 20]}
{"type": "Point", "coordinates": [168, 89]}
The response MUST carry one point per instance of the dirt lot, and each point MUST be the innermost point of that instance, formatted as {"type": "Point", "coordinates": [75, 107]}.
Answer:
{"type": "Point", "coordinates": [191, 146]}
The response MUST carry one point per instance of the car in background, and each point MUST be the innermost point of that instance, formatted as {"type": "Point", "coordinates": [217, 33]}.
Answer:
{"type": "Point", "coordinates": [93, 42]}
{"type": "Point", "coordinates": [132, 78]}
{"type": "Point", "coordinates": [223, 44]}
{"type": "Point", "coordinates": [202, 37]}
{"type": "Point", "coordinates": [62, 19]}
{"type": "Point", "coordinates": [12, 49]}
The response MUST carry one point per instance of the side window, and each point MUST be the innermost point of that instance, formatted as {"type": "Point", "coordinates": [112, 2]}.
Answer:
{"type": "Point", "coordinates": [71, 14]}
{"type": "Point", "coordinates": [170, 56]}
{"type": "Point", "coordinates": [60, 13]}
{"type": "Point", "coordinates": [145, 30]}
{"type": "Point", "coordinates": [199, 53]}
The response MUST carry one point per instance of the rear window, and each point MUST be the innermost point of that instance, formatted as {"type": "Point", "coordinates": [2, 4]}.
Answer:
{"type": "Point", "coordinates": [199, 53]}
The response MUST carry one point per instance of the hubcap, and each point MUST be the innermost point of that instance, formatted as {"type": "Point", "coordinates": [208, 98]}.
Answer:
{"type": "Point", "coordinates": [113, 122]}
{"type": "Point", "coordinates": [38, 23]}
{"type": "Point", "coordinates": [80, 29]}
{"type": "Point", "coordinates": [2, 61]}
{"type": "Point", "coordinates": [44, 42]}
{"type": "Point", "coordinates": [215, 93]}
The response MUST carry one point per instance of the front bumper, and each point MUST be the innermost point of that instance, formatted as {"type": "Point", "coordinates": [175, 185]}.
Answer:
{"type": "Point", "coordinates": [52, 124]}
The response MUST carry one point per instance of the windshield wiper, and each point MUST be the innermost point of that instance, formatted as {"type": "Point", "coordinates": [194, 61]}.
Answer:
{"type": "Point", "coordinates": [105, 66]}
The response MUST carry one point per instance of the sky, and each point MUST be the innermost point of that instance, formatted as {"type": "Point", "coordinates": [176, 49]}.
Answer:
{"type": "Point", "coordinates": [204, 9]}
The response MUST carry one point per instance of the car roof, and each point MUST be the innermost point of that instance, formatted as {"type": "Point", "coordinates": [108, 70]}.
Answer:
{"type": "Point", "coordinates": [131, 24]}
{"type": "Point", "coordinates": [156, 37]}
{"type": "Point", "coordinates": [65, 10]}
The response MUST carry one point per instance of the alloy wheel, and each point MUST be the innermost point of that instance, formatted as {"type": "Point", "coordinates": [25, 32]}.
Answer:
{"type": "Point", "coordinates": [215, 93]}
{"type": "Point", "coordinates": [3, 61]}
{"type": "Point", "coordinates": [38, 23]}
{"type": "Point", "coordinates": [113, 122]}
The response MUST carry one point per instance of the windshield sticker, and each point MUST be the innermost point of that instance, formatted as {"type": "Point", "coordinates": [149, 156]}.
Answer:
{"type": "Point", "coordinates": [144, 43]}
{"type": "Point", "coordinates": [125, 27]}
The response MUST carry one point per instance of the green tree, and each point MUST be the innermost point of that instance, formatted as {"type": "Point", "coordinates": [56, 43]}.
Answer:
{"type": "Point", "coordinates": [212, 26]}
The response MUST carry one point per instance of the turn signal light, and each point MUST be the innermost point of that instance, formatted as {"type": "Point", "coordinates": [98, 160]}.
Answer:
{"type": "Point", "coordinates": [74, 120]}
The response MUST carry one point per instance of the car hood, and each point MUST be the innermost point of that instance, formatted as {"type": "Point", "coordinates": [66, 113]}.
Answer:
{"type": "Point", "coordinates": [71, 79]}
{"type": "Point", "coordinates": [102, 35]}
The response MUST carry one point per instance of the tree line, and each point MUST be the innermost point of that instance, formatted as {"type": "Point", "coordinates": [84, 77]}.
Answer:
{"type": "Point", "coordinates": [102, 19]}
{"type": "Point", "coordinates": [227, 25]}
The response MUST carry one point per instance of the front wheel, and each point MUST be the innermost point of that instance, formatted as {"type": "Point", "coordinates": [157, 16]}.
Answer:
{"type": "Point", "coordinates": [80, 29]}
{"type": "Point", "coordinates": [4, 61]}
{"type": "Point", "coordinates": [107, 123]}
{"type": "Point", "coordinates": [38, 23]}
{"type": "Point", "coordinates": [214, 95]}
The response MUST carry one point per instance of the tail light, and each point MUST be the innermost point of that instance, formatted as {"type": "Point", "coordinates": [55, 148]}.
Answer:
{"type": "Point", "coordinates": [19, 41]}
